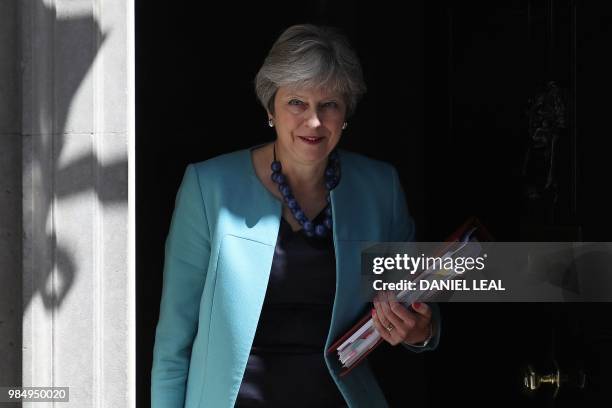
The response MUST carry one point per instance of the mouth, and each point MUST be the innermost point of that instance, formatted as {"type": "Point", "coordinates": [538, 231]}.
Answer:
{"type": "Point", "coordinates": [313, 140]}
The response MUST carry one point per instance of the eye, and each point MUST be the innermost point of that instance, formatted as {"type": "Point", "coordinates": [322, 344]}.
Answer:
{"type": "Point", "coordinates": [330, 104]}
{"type": "Point", "coordinates": [295, 102]}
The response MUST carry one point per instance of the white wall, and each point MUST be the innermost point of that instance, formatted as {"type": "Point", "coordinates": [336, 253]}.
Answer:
{"type": "Point", "coordinates": [66, 128]}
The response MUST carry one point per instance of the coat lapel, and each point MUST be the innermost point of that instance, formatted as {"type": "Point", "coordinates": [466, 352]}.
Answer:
{"type": "Point", "coordinates": [251, 221]}
{"type": "Point", "coordinates": [352, 232]}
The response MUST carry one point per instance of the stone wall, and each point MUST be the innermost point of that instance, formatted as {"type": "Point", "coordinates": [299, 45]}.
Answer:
{"type": "Point", "coordinates": [66, 231]}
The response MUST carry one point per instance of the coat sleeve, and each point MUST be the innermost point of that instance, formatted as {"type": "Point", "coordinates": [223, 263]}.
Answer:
{"type": "Point", "coordinates": [403, 230]}
{"type": "Point", "coordinates": [187, 252]}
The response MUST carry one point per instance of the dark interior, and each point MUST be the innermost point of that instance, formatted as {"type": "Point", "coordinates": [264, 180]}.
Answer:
{"type": "Point", "coordinates": [450, 87]}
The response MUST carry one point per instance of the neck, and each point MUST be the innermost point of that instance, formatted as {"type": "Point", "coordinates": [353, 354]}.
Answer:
{"type": "Point", "coordinates": [302, 176]}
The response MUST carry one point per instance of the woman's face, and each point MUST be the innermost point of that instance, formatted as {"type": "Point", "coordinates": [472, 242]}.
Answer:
{"type": "Point", "coordinates": [308, 122]}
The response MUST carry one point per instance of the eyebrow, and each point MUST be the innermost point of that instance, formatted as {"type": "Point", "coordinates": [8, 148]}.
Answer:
{"type": "Point", "coordinates": [334, 98]}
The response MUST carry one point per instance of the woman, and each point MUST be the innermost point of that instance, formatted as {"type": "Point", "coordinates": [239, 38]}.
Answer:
{"type": "Point", "coordinates": [262, 268]}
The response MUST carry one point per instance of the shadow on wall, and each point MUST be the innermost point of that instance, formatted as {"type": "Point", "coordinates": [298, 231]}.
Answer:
{"type": "Point", "coordinates": [71, 64]}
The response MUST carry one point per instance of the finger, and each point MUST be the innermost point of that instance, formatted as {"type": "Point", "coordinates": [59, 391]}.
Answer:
{"type": "Point", "coordinates": [385, 309]}
{"type": "Point", "coordinates": [423, 309]}
{"type": "Point", "coordinates": [384, 333]}
{"type": "Point", "coordinates": [391, 296]}
{"type": "Point", "coordinates": [378, 306]}
{"type": "Point", "coordinates": [376, 298]}
{"type": "Point", "coordinates": [405, 323]}
{"type": "Point", "coordinates": [403, 314]}
{"type": "Point", "coordinates": [400, 327]}
{"type": "Point", "coordinates": [398, 314]}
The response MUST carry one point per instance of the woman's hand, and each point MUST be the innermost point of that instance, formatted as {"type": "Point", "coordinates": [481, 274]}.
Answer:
{"type": "Point", "coordinates": [397, 324]}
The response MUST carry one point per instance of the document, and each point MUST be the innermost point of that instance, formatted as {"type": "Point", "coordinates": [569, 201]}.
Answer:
{"type": "Point", "coordinates": [362, 338]}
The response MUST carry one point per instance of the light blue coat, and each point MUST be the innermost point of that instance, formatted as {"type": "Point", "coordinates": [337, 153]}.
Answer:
{"type": "Point", "coordinates": [218, 257]}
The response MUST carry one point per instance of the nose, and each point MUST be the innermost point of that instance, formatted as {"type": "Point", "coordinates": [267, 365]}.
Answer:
{"type": "Point", "coordinates": [312, 120]}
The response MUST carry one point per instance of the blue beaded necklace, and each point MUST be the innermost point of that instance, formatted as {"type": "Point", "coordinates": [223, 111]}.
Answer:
{"type": "Point", "coordinates": [332, 178]}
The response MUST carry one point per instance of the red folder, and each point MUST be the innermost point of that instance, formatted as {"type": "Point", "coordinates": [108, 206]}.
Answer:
{"type": "Point", "coordinates": [480, 233]}
{"type": "Point", "coordinates": [334, 347]}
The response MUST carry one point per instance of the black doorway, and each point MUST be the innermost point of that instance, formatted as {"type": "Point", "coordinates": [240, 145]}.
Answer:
{"type": "Point", "coordinates": [448, 91]}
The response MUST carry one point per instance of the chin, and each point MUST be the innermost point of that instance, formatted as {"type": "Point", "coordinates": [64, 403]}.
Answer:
{"type": "Point", "coordinates": [313, 153]}
{"type": "Point", "coordinates": [311, 157]}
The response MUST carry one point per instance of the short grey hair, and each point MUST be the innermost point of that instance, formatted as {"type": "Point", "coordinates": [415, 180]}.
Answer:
{"type": "Point", "coordinates": [306, 56]}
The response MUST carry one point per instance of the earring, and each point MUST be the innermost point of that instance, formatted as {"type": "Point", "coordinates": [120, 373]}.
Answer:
{"type": "Point", "coordinates": [270, 122]}
{"type": "Point", "coordinates": [344, 125]}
